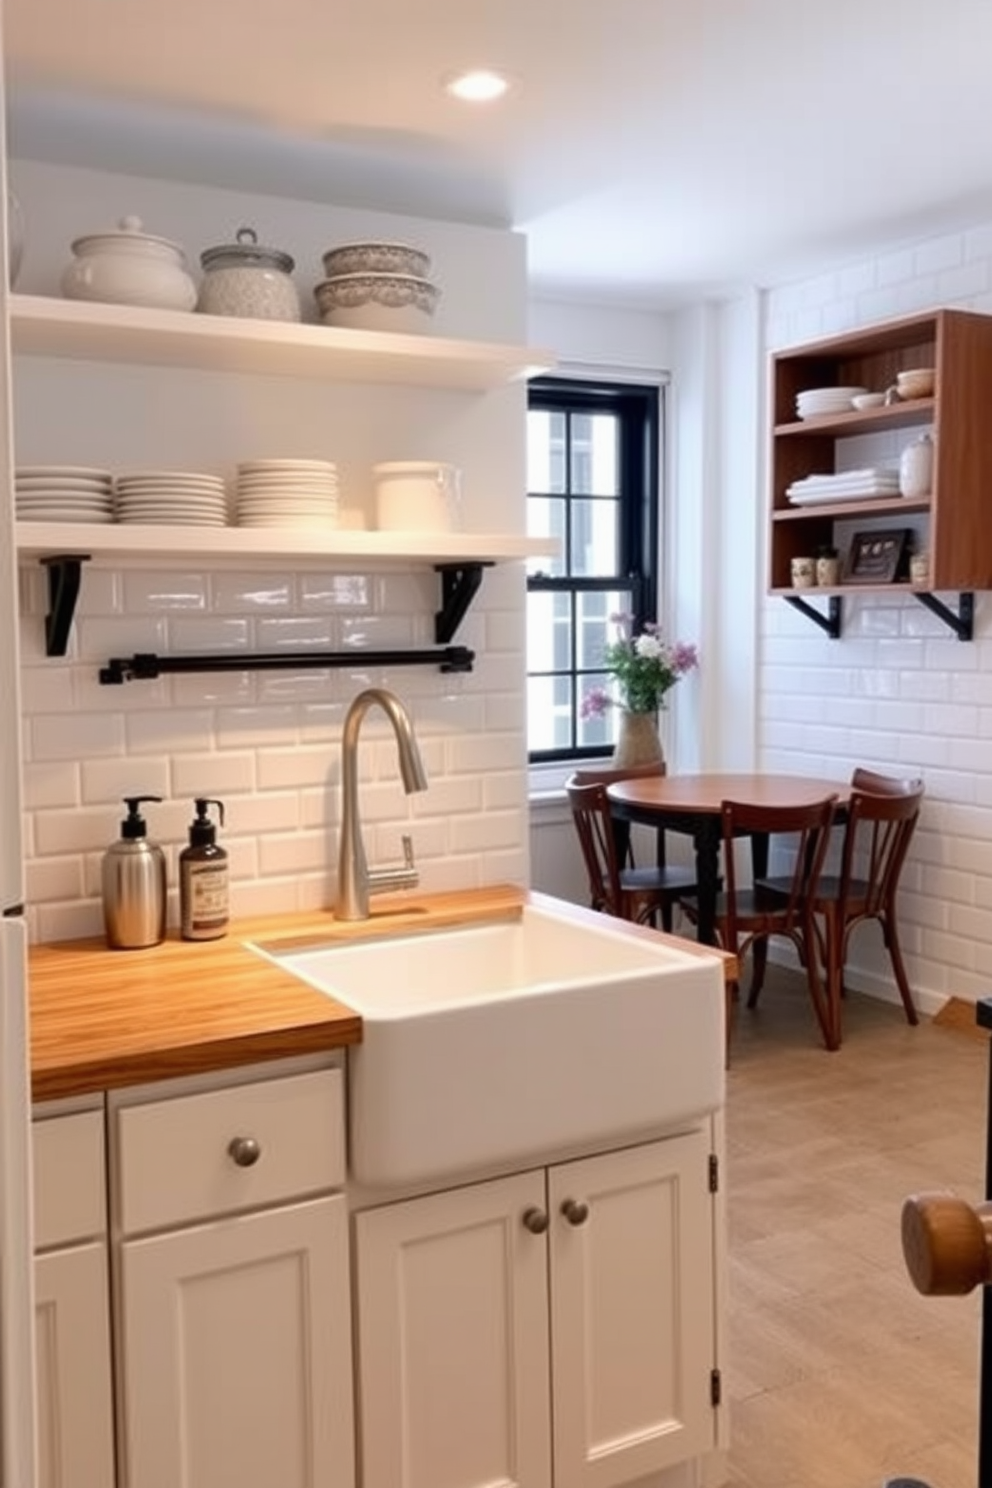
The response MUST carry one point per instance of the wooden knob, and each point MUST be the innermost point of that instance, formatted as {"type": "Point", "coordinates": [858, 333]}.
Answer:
{"type": "Point", "coordinates": [946, 1244]}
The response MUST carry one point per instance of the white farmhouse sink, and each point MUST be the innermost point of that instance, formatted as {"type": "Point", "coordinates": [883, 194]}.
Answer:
{"type": "Point", "coordinates": [507, 1042]}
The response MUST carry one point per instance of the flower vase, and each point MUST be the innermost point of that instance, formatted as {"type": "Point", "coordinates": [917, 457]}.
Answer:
{"type": "Point", "coordinates": [638, 742]}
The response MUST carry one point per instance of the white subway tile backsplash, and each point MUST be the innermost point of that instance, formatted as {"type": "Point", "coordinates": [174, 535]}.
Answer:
{"type": "Point", "coordinates": [280, 768]}
{"type": "Point", "coordinates": [251, 593]}
{"type": "Point", "coordinates": [213, 774]}
{"type": "Point", "coordinates": [86, 829]}
{"type": "Point", "coordinates": [163, 593]}
{"type": "Point", "coordinates": [100, 637]}
{"type": "Point", "coordinates": [335, 592]}
{"type": "Point", "coordinates": [297, 633]}
{"type": "Point", "coordinates": [52, 737]}
{"type": "Point", "coordinates": [172, 731]}
{"type": "Point", "coordinates": [51, 783]}
{"type": "Point", "coordinates": [108, 780]}
{"type": "Point", "coordinates": [239, 728]}
{"type": "Point", "coordinates": [210, 633]}
{"type": "Point", "coordinates": [212, 689]}
{"type": "Point", "coordinates": [54, 879]}
{"type": "Point", "coordinates": [296, 853]}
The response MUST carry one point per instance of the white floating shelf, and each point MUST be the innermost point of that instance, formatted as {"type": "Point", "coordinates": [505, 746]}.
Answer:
{"type": "Point", "coordinates": [80, 330]}
{"type": "Point", "coordinates": [131, 542]}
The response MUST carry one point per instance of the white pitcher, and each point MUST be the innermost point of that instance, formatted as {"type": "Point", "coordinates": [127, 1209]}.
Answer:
{"type": "Point", "coordinates": [916, 468]}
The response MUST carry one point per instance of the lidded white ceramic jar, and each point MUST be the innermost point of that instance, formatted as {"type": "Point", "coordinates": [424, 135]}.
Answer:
{"type": "Point", "coordinates": [417, 496]}
{"type": "Point", "coordinates": [916, 468]}
{"type": "Point", "coordinates": [129, 267]}
{"type": "Point", "coordinates": [247, 280]}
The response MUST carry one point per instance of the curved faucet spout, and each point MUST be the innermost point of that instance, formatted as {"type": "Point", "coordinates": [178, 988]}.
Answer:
{"type": "Point", "coordinates": [356, 881]}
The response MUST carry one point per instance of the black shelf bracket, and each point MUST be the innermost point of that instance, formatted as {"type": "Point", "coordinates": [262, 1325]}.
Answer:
{"type": "Point", "coordinates": [829, 622]}
{"type": "Point", "coordinates": [145, 666]}
{"type": "Point", "coordinates": [64, 574]}
{"type": "Point", "coordinates": [962, 623]}
{"type": "Point", "coordinates": [459, 586]}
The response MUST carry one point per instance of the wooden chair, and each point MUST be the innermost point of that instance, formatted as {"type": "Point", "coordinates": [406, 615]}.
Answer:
{"type": "Point", "coordinates": [746, 918]}
{"type": "Point", "coordinates": [640, 894]}
{"type": "Point", "coordinates": [881, 820]}
{"type": "Point", "coordinates": [607, 775]}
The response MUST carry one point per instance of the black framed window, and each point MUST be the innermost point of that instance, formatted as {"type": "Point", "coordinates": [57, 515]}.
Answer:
{"type": "Point", "coordinates": [592, 482]}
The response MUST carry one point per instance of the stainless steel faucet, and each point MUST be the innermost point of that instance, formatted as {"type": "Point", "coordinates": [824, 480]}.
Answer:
{"type": "Point", "coordinates": [356, 881]}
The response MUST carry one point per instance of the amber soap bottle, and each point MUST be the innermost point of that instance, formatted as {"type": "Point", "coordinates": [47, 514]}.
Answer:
{"type": "Point", "coordinates": [203, 891]}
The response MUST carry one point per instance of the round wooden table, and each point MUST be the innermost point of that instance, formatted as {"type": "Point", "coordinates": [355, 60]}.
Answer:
{"type": "Point", "coordinates": [691, 804]}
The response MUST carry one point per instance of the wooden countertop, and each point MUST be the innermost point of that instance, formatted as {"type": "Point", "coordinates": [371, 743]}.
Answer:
{"type": "Point", "coordinates": [101, 1019]}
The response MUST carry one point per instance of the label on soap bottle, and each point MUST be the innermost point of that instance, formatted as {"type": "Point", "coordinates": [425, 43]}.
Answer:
{"type": "Point", "coordinates": [206, 900]}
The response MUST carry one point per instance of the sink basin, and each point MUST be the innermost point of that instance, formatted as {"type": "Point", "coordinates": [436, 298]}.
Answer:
{"type": "Point", "coordinates": [508, 1042]}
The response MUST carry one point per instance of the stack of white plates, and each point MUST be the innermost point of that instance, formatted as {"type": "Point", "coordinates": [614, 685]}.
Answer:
{"type": "Point", "coordinates": [172, 498]}
{"type": "Point", "coordinates": [824, 402]}
{"type": "Point", "coordinates": [63, 493]}
{"type": "Point", "coordinates": [287, 493]}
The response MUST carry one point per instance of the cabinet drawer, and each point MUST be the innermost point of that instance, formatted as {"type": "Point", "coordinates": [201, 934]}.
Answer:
{"type": "Point", "coordinates": [69, 1187]}
{"type": "Point", "coordinates": [177, 1158]}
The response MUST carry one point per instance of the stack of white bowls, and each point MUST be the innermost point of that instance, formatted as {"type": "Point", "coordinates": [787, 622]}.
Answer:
{"type": "Point", "coordinates": [825, 402]}
{"type": "Point", "coordinates": [287, 493]}
{"type": "Point", "coordinates": [63, 493]}
{"type": "Point", "coordinates": [172, 498]}
{"type": "Point", "coordinates": [377, 287]}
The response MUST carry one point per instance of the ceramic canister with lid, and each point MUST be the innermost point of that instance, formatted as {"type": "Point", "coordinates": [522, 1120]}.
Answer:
{"type": "Point", "coordinates": [417, 496]}
{"type": "Point", "coordinates": [129, 267]}
{"type": "Point", "coordinates": [916, 468]}
{"type": "Point", "coordinates": [247, 280]}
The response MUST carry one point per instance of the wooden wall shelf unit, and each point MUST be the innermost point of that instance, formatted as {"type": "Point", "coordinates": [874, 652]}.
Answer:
{"type": "Point", "coordinates": [958, 344]}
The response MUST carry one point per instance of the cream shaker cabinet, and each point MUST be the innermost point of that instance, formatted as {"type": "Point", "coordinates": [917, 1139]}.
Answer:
{"type": "Point", "coordinates": [554, 1329]}
{"type": "Point", "coordinates": [72, 1328]}
{"type": "Point", "coordinates": [233, 1300]}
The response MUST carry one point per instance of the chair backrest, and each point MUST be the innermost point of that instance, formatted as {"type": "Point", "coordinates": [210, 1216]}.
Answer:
{"type": "Point", "coordinates": [591, 814]}
{"type": "Point", "coordinates": [810, 825]}
{"type": "Point", "coordinates": [883, 785]}
{"type": "Point", "coordinates": [876, 840]}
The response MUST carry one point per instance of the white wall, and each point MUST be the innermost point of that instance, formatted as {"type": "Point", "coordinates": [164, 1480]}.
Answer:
{"type": "Point", "coordinates": [898, 692]}
{"type": "Point", "coordinates": [267, 743]}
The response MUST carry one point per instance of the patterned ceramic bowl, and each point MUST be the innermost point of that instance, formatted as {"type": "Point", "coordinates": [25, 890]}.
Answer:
{"type": "Point", "coordinates": [377, 302]}
{"type": "Point", "coordinates": [376, 258]}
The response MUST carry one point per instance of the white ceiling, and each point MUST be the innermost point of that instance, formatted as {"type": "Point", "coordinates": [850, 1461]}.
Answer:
{"type": "Point", "coordinates": [652, 150]}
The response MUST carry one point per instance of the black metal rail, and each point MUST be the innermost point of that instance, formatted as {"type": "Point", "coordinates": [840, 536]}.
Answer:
{"type": "Point", "coordinates": [144, 666]}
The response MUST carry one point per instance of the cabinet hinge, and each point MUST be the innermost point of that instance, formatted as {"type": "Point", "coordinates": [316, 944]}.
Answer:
{"type": "Point", "coordinates": [714, 1173]}
{"type": "Point", "coordinates": [716, 1388]}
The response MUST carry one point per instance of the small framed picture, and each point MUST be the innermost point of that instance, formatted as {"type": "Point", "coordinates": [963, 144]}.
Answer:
{"type": "Point", "coordinates": [877, 557]}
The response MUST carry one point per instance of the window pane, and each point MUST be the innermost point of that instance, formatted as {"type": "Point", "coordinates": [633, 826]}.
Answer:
{"type": "Point", "coordinates": [545, 451]}
{"type": "Point", "coordinates": [593, 626]}
{"type": "Point", "coordinates": [594, 455]}
{"type": "Point", "coordinates": [595, 732]}
{"type": "Point", "coordinates": [549, 632]}
{"type": "Point", "coordinates": [546, 518]}
{"type": "Point", "coordinates": [549, 713]}
{"type": "Point", "coordinates": [595, 550]}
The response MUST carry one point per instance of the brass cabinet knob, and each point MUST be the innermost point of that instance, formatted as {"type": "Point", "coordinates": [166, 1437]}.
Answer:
{"type": "Point", "coordinates": [245, 1151]}
{"type": "Point", "coordinates": [535, 1220]}
{"type": "Point", "coordinates": [946, 1244]}
{"type": "Point", "coordinates": [575, 1211]}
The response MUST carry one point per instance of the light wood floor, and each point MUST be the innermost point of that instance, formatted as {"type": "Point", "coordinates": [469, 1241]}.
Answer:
{"type": "Point", "coordinates": [841, 1375]}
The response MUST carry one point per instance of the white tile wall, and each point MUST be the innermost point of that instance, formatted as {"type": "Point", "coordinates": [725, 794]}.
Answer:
{"type": "Point", "coordinates": [267, 744]}
{"type": "Point", "coordinates": [898, 692]}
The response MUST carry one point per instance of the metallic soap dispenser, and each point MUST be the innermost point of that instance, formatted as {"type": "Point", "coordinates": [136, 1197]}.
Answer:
{"type": "Point", "coordinates": [134, 898]}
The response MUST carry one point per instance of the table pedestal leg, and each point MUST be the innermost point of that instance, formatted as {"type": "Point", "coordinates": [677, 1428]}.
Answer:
{"type": "Point", "coordinates": [707, 837]}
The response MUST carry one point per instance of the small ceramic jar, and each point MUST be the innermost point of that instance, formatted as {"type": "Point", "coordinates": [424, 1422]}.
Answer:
{"type": "Point", "coordinates": [916, 468]}
{"type": "Point", "coordinates": [129, 267]}
{"type": "Point", "coordinates": [249, 281]}
{"type": "Point", "coordinates": [803, 573]}
{"type": "Point", "coordinates": [919, 568]}
{"type": "Point", "coordinates": [828, 570]}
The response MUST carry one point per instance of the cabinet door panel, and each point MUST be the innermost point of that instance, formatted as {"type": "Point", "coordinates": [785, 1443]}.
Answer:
{"type": "Point", "coordinates": [453, 1347]}
{"type": "Point", "coordinates": [632, 1325]}
{"type": "Point", "coordinates": [72, 1348]}
{"type": "Point", "coordinates": [237, 1353]}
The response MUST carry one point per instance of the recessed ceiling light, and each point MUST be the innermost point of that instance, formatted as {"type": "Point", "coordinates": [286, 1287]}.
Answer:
{"type": "Point", "coordinates": [478, 85]}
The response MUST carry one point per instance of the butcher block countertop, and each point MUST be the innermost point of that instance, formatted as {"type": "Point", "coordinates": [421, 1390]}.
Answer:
{"type": "Point", "coordinates": [101, 1019]}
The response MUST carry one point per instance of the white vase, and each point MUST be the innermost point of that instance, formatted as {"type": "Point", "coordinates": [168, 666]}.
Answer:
{"type": "Point", "coordinates": [638, 741]}
{"type": "Point", "coordinates": [916, 468]}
